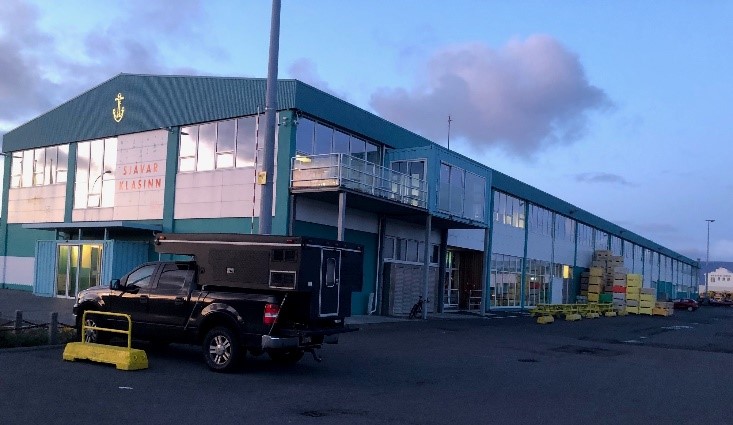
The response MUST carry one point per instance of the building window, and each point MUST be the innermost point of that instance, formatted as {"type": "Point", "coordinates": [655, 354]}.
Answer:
{"type": "Point", "coordinates": [95, 167]}
{"type": "Point", "coordinates": [315, 138]}
{"type": "Point", "coordinates": [508, 210]}
{"type": "Point", "coordinates": [219, 145]}
{"type": "Point", "coordinates": [39, 167]}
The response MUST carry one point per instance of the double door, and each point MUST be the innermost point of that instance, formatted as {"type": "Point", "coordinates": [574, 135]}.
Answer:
{"type": "Point", "coordinates": [78, 267]}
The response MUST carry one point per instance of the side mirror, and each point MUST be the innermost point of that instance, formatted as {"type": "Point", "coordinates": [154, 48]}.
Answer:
{"type": "Point", "coordinates": [115, 284]}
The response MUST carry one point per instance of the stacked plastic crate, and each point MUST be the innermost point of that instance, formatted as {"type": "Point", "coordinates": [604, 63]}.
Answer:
{"type": "Point", "coordinates": [647, 298]}
{"type": "Point", "coordinates": [612, 270]}
{"type": "Point", "coordinates": [633, 293]}
{"type": "Point", "coordinates": [619, 293]}
{"type": "Point", "coordinates": [663, 309]}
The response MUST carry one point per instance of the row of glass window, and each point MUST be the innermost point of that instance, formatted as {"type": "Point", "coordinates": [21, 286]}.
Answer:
{"type": "Point", "coordinates": [400, 249]}
{"type": "Point", "coordinates": [220, 144]}
{"type": "Point", "coordinates": [461, 193]}
{"type": "Point", "coordinates": [95, 171]}
{"type": "Point", "coordinates": [315, 138]}
{"type": "Point", "coordinates": [39, 167]}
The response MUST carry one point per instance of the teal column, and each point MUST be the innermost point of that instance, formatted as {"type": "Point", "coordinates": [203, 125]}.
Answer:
{"type": "Point", "coordinates": [70, 181]}
{"type": "Point", "coordinates": [171, 169]}
{"type": "Point", "coordinates": [7, 163]}
{"type": "Point", "coordinates": [488, 247]}
{"type": "Point", "coordinates": [524, 256]}
{"type": "Point", "coordinates": [285, 151]}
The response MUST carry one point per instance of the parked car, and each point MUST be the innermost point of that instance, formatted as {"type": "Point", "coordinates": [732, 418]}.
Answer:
{"type": "Point", "coordinates": [686, 304]}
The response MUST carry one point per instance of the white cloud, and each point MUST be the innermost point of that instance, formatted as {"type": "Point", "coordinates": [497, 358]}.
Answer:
{"type": "Point", "coordinates": [524, 97]}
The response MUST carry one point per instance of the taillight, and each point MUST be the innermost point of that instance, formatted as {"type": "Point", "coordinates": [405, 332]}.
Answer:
{"type": "Point", "coordinates": [271, 312]}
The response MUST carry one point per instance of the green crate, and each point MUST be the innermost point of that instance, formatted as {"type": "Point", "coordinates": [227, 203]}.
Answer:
{"type": "Point", "coordinates": [605, 298]}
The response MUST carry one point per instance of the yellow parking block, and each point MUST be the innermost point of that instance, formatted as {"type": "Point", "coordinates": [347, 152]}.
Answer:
{"type": "Point", "coordinates": [122, 357]}
{"type": "Point", "coordinates": [544, 320]}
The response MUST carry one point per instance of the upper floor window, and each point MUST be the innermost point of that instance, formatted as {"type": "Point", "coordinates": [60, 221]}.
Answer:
{"type": "Point", "coordinates": [95, 167]}
{"type": "Point", "coordinates": [508, 210]}
{"type": "Point", "coordinates": [315, 138]}
{"type": "Point", "coordinates": [39, 167]}
{"type": "Point", "coordinates": [540, 220]}
{"type": "Point", "coordinates": [220, 144]}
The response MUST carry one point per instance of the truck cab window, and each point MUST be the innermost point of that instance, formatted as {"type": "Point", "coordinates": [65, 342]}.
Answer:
{"type": "Point", "coordinates": [173, 278]}
{"type": "Point", "coordinates": [141, 277]}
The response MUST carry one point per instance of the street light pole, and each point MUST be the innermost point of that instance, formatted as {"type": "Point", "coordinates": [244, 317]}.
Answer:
{"type": "Point", "coordinates": [707, 259]}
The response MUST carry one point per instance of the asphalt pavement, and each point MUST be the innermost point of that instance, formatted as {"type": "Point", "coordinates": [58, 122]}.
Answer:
{"type": "Point", "coordinates": [632, 369]}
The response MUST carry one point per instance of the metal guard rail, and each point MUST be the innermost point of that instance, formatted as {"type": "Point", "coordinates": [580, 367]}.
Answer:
{"type": "Point", "coordinates": [128, 332]}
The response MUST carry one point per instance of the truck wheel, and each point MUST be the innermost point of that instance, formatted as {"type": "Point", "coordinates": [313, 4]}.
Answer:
{"type": "Point", "coordinates": [221, 349]}
{"type": "Point", "coordinates": [91, 335]}
{"type": "Point", "coordinates": [286, 357]}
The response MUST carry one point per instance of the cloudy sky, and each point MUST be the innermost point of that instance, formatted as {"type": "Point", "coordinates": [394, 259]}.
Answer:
{"type": "Point", "coordinates": [622, 108]}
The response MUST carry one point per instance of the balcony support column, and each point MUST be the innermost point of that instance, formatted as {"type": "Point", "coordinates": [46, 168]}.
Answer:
{"type": "Point", "coordinates": [342, 215]}
{"type": "Point", "coordinates": [426, 266]}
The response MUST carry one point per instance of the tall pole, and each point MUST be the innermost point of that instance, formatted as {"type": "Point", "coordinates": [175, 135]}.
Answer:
{"type": "Point", "coordinates": [265, 177]}
{"type": "Point", "coordinates": [449, 120]}
{"type": "Point", "coordinates": [707, 259]}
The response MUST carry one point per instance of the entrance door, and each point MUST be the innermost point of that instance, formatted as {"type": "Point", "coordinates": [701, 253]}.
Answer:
{"type": "Point", "coordinates": [330, 288]}
{"type": "Point", "coordinates": [452, 281]}
{"type": "Point", "coordinates": [78, 267]}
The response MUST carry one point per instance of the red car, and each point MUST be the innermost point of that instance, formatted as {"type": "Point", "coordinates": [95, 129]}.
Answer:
{"type": "Point", "coordinates": [686, 304]}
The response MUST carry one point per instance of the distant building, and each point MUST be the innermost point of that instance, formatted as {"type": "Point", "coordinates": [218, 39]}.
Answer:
{"type": "Point", "coordinates": [721, 279]}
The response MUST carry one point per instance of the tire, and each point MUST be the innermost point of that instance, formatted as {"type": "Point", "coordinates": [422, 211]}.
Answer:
{"type": "Point", "coordinates": [91, 336]}
{"type": "Point", "coordinates": [286, 357]}
{"type": "Point", "coordinates": [221, 349]}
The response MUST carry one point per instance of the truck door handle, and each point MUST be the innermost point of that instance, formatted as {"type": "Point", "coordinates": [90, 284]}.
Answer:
{"type": "Point", "coordinates": [143, 299]}
{"type": "Point", "coordinates": [179, 301]}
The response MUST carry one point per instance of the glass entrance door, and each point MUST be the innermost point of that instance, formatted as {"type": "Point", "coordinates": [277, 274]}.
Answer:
{"type": "Point", "coordinates": [79, 266]}
{"type": "Point", "coordinates": [452, 281]}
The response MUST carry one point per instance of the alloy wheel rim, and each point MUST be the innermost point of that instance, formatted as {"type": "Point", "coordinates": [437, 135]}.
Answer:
{"type": "Point", "coordinates": [220, 349]}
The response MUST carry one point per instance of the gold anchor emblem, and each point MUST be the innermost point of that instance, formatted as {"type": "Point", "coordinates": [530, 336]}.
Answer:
{"type": "Point", "coordinates": [118, 112]}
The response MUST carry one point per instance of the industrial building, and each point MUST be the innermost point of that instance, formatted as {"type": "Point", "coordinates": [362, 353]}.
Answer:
{"type": "Point", "coordinates": [87, 184]}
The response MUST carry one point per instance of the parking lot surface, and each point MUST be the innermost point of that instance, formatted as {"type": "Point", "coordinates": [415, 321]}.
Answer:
{"type": "Point", "coordinates": [633, 369]}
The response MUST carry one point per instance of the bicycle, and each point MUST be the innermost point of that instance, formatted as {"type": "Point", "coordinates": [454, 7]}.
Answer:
{"type": "Point", "coordinates": [416, 310]}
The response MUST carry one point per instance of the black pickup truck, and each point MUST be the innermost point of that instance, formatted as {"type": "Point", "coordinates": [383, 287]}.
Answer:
{"type": "Point", "coordinates": [234, 294]}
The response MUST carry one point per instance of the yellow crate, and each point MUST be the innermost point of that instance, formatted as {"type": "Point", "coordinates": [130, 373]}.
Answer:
{"type": "Point", "coordinates": [632, 310]}
{"type": "Point", "coordinates": [656, 311]}
{"type": "Point", "coordinates": [634, 297]}
{"type": "Point", "coordinates": [592, 296]}
{"type": "Point", "coordinates": [647, 297]}
{"type": "Point", "coordinates": [645, 310]}
{"type": "Point", "coordinates": [596, 271]}
{"type": "Point", "coordinates": [594, 288]}
{"type": "Point", "coordinates": [632, 290]}
{"type": "Point", "coordinates": [646, 304]}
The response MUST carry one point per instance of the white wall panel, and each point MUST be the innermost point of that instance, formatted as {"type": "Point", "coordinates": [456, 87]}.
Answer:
{"type": "Point", "coordinates": [38, 204]}
{"type": "Point", "coordinates": [140, 175]}
{"type": "Point", "coordinates": [585, 256]}
{"type": "Point", "coordinates": [217, 193]}
{"type": "Point", "coordinates": [466, 238]}
{"type": "Point", "coordinates": [539, 247]}
{"type": "Point", "coordinates": [96, 214]}
{"type": "Point", "coordinates": [317, 212]}
{"type": "Point", "coordinates": [17, 270]}
{"type": "Point", "coordinates": [564, 252]}
{"type": "Point", "coordinates": [507, 240]}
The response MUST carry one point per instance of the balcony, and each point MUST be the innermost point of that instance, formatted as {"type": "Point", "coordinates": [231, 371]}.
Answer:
{"type": "Point", "coordinates": [338, 170]}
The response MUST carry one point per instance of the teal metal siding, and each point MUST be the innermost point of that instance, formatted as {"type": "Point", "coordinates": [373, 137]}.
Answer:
{"type": "Point", "coordinates": [123, 256]}
{"type": "Point", "coordinates": [150, 102]}
{"type": "Point", "coordinates": [44, 278]}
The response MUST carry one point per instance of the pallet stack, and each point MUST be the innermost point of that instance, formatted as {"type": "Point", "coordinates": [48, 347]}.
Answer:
{"type": "Point", "coordinates": [633, 293]}
{"type": "Point", "coordinates": [647, 298]}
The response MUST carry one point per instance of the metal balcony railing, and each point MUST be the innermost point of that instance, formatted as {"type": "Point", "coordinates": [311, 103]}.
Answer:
{"type": "Point", "coordinates": [343, 170]}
